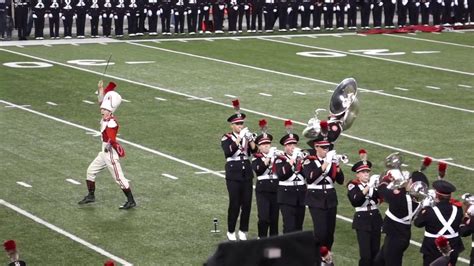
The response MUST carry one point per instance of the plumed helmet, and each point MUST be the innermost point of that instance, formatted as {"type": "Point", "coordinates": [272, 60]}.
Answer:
{"type": "Point", "coordinates": [111, 101]}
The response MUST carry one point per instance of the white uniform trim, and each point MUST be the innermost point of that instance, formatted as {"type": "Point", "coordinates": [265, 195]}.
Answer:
{"type": "Point", "coordinates": [446, 224]}
{"type": "Point", "coordinates": [369, 203]}
{"type": "Point", "coordinates": [326, 186]}
{"type": "Point", "coordinates": [406, 219]}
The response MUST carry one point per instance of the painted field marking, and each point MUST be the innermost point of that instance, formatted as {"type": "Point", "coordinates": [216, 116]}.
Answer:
{"type": "Point", "coordinates": [52, 103]}
{"type": "Point", "coordinates": [125, 100]}
{"type": "Point", "coordinates": [265, 94]}
{"type": "Point", "coordinates": [72, 181]}
{"type": "Point", "coordinates": [400, 88]}
{"type": "Point", "coordinates": [425, 52]}
{"type": "Point", "coordinates": [88, 102]}
{"type": "Point", "coordinates": [433, 87]}
{"type": "Point", "coordinates": [299, 93]}
{"type": "Point", "coordinates": [464, 86]}
{"type": "Point", "coordinates": [139, 62]}
{"type": "Point", "coordinates": [230, 96]}
{"type": "Point", "coordinates": [170, 176]}
{"type": "Point", "coordinates": [160, 99]}
{"type": "Point", "coordinates": [23, 184]}
{"type": "Point", "coordinates": [24, 105]}
{"type": "Point", "coordinates": [64, 233]}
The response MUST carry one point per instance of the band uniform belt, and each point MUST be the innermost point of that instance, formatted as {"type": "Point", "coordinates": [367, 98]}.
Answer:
{"type": "Point", "coordinates": [366, 209]}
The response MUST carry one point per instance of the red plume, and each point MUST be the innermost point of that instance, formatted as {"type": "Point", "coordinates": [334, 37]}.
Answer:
{"type": "Point", "coordinates": [441, 241]}
{"type": "Point", "coordinates": [442, 169]}
{"type": "Point", "coordinates": [363, 154]}
{"type": "Point", "coordinates": [455, 202]}
{"type": "Point", "coordinates": [110, 87]}
{"type": "Point", "coordinates": [236, 105]}
{"type": "Point", "coordinates": [426, 162]}
{"type": "Point", "coordinates": [289, 126]}
{"type": "Point", "coordinates": [262, 123]}
{"type": "Point", "coordinates": [323, 250]}
{"type": "Point", "coordinates": [324, 127]}
{"type": "Point", "coordinates": [109, 263]}
{"type": "Point", "coordinates": [9, 245]}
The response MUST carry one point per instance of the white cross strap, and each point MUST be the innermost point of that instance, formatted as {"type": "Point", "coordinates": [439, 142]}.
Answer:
{"type": "Point", "coordinates": [446, 224]}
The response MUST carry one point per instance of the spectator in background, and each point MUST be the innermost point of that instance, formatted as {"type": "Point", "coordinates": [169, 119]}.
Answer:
{"type": "Point", "coordinates": [12, 253]}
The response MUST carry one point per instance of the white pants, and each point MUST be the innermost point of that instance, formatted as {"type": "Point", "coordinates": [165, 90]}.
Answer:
{"type": "Point", "coordinates": [111, 161]}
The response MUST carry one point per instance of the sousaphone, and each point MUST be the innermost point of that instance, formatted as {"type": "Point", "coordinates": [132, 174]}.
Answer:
{"type": "Point", "coordinates": [344, 105]}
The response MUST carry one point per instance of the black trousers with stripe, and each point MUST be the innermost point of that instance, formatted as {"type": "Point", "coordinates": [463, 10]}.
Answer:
{"type": "Point", "coordinates": [240, 201]}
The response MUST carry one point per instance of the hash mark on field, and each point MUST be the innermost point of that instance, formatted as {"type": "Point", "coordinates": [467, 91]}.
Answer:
{"type": "Point", "coordinates": [139, 62]}
{"type": "Point", "coordinates": [230, 96]}
{"type": "Point", "coordinates": [170, 176]}
{"type": "Point", "coordinates": [125, 100]}
{"type": "Point", "coordinates": [23, 184]}
{"type": "Point", "coordinates": [299, 92]}
{"type": "Point", "coordinates": [464, 86]}
{"type": "Point", "coordinates": [72, 181]}
{"type": "Point", "coordinates": [160, 99]}
{"type": "Point", "coordinates": [88, 102]}
{"type": "Point", "coordinates": [433, 87]}
{"type": "Point", "coordinates": [51, 103]}
{"type": "Point", "coordinates": [265, 94]}
{"type": "Point", "coordinates": [425, 52]}
{"type": "Point", "coordinates": [401, 89]}
{"type": "Point", "coordinates": [64, 233]}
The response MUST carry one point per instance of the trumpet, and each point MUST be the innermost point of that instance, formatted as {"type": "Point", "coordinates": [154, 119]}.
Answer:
{"type": "Point", "coordinates": [342, 157]}
{"type": "Point", "coordinates": [468, 199]}
{"type": "Point", "coordinates": [400, 178]}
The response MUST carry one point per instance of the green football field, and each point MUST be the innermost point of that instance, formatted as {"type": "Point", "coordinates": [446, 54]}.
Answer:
{"type": "Point", "coordinates": [416, 95]}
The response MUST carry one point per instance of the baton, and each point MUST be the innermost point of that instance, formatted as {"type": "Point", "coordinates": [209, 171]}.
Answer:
{"type": "Point", "coordinates": [105, 70]}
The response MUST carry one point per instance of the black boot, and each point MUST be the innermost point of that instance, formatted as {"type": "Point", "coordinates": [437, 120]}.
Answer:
{"type": "Point", "coordinates": [90, 197]}
{"type": "Point", "coordinates": [130, 201]}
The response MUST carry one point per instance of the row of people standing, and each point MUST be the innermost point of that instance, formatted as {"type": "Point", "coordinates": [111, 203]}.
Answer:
{"type": "Point", "coordinates": [143, 15]}
{"type": "Point", "coordinates": [290, 180]}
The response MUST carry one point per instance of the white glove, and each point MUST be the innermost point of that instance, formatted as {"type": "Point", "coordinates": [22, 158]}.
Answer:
{"type": "Point", "coordinates": [404, 2]}
{"type": "Point", "coordinates": [394, 2]}
{"type": "Point", "coordinates": [295, 154]}
{"type": "Point", "coordinates": [221, 7]}
{"type": "Point", "coordinates": [371, 6]}
{"type": "Point", "coordinates": [176, 13]}
{"type": "Point", "coordinates": [373, 180]}
{"type": "Point", "coordinates": [111, 15]}
{"type": "Point", "coordinates": [89, 16]}
{"type": "Point", "coordinates": [199, 11]}
{"type": "Point", "coordinates": [325, 8]}
{"type": "Point", "coordinates": [452, 4]}
{"type": "Point", "coordinates": [439, 1]}
{"type": "Point", "coordinates": [235, 8]}
{"type": "Point", "coordinates": [288, 10]}
{"type": "Point", "coordinates": [74, 16]}
{"type": "Point", "coordinates": [426, 202]}
{"type": "Point", "coordinates": [311, 7]}
{"type": "Point", "coordinates": [381, 3]}
{"type": "Point", "coordinates": [63, 18]}
{"type": "Point", "coordinates": [205, 8]}
{"type": "Point", "coordinates": [128, 14]}
{"type": "Point", "coordinates": [160, 11]}
{"type": "Point", "coordinates": [116, 17]}
{"type": "Point", "coordinates": [301, 8]}
{"type": "Point", "coordinates": [427, 4]}
{"type": "Point", "coordinates": [470, 211]}
{"type": "Point", "coordinates": [149, 13]}
{"type": "Point", "coordinates": [246, 7]}
{"type": "Point", "coordinates": [35, 16]}
{"type": "Point", "coordinates": [50, 15]}
{"type": "Point", "coordinates": [275, 10]}
{"type": "Point", "coordinates": [145, 11]}
{"type": "Point", "coordinates": [417, 4]}
{"type": "Point", "coordinates": [338, 8]}
{"type": "Point", "coordinates": [244, 132]}
{"type": "Point", "coordinates": [271, 152]}
{"type": "Point", "coordinates": [330, 156]}
{"type": "Point", "coordinates": [46, 15]}
{"type": "Point", "coordinates": [104, 15]}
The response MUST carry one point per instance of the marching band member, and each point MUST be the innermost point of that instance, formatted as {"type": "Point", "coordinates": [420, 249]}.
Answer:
{"type": "Point", "coordinates": [443, 219]}
{"type": "Point", "coordinates": [204, 8]}
{"type": "Point", "coordinates": [292, 186]}
{"type": "Point", "coordinates": [267, 184]}
{"type": "Point", "coordinates": [119, 15]}
{"type": "Point", "coordinates": [321, 170]}
{"type": "Point", "coordinates": [107, 15]}
{"type": "Point", "coordinates": [244, 9]}
{"type": "Point", "coordinates": [39, 17]}
{"type": "Point", "coordinates": [467, 227]}
{"type": "Point", "coordinates": [133, 12]}
{"type": "Point", "coordinates": [237, 146]}
{"type": "Point", "coordinates": [367, 222]}
{"type": "Point", "coordinates": [179, 10]}
{"type": "Point", "coordinates": [111, 151]}
{"type": "Point", "coordinates": [192, 11]}
{"type": "Point", "coordinates": [54, 17]}
{"type": "Point", "coordinates": [94, 16]}
{"type": "Point", "coordinates": [67, 17]}
{"type": "Point", "coordinates": [152, 7]}
{"type": "Point", "coordinates": [398, 217]}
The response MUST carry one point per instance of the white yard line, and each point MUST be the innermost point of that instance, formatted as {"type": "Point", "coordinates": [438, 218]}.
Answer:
{"type": "Point", "coordinates": [227, 105]}
{"type": "Point", "coordinates": [281, 73]}
{"type": "Point", "coordinates": [170, 176]}
{"type": "Point", "coordinates": [24, 105]}
{"type": "Point", "coordinates": [426, 52]}
{"type": "Point", "coordinates": [64, 233]}
{"type": "Point", "coordinates": [203, 169]}
{"type": "Point", "coordinates": [51, 103]}
{"type": "Point", "coordinates": [369, 56]}
{"type": "Point", "coordinates": [72, 181]}
{"type": "Point", "coordinates": [428, 40]}
{"type": "Point", "coordinates": [120, 139]}
{"type": "Point", "coordinates": [23, 184]}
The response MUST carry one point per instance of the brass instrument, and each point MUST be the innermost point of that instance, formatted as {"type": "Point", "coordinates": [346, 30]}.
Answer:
{"type": "Point", "coordinates": [393, 162]}
{"type": "Point", "coordinates": [344, 104]}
